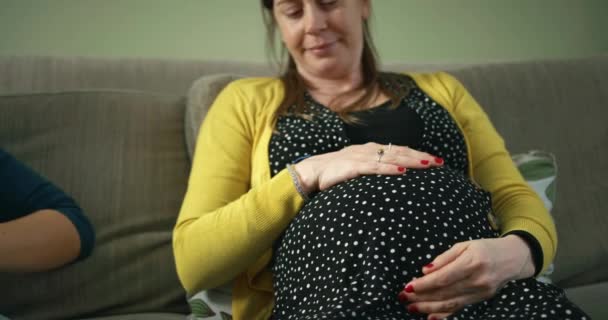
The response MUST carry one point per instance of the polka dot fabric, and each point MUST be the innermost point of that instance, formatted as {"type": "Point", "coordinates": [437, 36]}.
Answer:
{"type": "Point", "coordinates": [353, 247]}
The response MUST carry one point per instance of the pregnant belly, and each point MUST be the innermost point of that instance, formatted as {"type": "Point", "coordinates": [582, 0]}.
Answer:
{"type": "Point", "coordinates": [379, 229]}
{"type": "Point", "coordinates": [431, 206]}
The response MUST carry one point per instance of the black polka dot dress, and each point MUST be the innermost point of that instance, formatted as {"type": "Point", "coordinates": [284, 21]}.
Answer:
{"type": "Point", "coordinates": [353, 247]}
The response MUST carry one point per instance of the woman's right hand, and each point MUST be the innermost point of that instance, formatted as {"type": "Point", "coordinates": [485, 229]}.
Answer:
{"type": "Point", "coordinates": [321, 172]}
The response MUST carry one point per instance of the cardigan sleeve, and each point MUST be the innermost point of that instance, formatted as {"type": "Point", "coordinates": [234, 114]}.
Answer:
{"type": "Point", "coordinates": [224, 225]}
{"type": "Point", "coordinates": [516, 206]}
{"type": "Point", "coordinates": [23, 192]}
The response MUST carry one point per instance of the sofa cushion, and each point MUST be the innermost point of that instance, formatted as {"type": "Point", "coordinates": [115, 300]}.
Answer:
{"type": "Point", "coordinates": [121, 155]}
{"type": "Point", "coordinates": [539, 169]}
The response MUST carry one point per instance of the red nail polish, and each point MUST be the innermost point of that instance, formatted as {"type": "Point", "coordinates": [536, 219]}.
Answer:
{"type": "Point", "coordinates": [433, 318]}
{"type": "Point", "coordinates": [412, 308]}
{"type": "Point", "coordinates": [438, 160]}
{"type": "Point", "coordinates": [402, 297]}
{"type": "Point", "coordinates": [424, 162]}
{"type": "Point", "coordinates": [430, 265]}
{"type": "Point", "coordinates": [409, 288]}
{"type": "Point", "coordinates": [401, 169]}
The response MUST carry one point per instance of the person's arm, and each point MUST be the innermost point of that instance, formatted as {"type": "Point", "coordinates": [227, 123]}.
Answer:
{"type": "Point", "coordinates": [40, 241]}
{"type": "Point", "coordinates": [41, 228]}
{"type": "Point", "coordinates": [224, 225]}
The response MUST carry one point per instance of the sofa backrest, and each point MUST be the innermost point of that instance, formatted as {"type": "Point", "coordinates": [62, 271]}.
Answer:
{"type": "Point", "coordinates": [19, 74]}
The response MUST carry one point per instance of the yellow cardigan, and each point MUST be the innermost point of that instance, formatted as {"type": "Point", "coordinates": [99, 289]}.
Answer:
{"type": "Point", "coordinates": [233, 210]}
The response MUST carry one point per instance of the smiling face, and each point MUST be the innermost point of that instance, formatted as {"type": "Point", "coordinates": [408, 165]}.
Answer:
{"type": "Point", "coordinates": [324, 37]}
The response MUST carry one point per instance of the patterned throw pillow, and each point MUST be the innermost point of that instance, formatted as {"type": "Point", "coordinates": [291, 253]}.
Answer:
{"type": "Point", "coordinates": [539, 169]}
{"type": "Point", "coordinates": [214, 304]}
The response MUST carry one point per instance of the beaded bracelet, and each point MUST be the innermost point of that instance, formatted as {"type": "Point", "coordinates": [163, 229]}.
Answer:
{"type": "Point", "coordinates": [296, 181]}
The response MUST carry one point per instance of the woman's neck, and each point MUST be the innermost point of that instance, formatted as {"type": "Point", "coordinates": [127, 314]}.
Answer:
{"type": "Point", "coordinates": [338, 94]}
{"type": "Point", "coordinates": [326, 90]}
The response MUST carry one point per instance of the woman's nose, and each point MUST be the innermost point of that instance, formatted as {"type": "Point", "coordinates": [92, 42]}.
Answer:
{"type": "Point", "coordinates": [315, 20]}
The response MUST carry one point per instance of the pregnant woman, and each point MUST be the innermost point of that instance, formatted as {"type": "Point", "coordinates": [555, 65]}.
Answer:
{"type": "Point", "coordinates": [340, 192]}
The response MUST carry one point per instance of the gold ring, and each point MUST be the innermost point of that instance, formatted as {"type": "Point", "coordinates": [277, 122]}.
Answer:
{"type": "Point", "coordinates": [380, 153]}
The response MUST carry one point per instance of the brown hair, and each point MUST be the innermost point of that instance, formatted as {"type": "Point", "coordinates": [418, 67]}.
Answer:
{"type": "Point", "coordinates": [295, 88]}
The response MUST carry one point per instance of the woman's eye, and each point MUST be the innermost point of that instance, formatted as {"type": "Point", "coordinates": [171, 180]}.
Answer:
{"type": "Point", "coordinates": [293, 13]}
{"type": "Point", "coordinates": [328, 3]}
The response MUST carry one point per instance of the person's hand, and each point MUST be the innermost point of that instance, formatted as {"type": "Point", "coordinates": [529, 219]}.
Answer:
{"type": "Point", "coordinates": [467, 273]}
{"type": "Point", "coordinates": [323, 171]}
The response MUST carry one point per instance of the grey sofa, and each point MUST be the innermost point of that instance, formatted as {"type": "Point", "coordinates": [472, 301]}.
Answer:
{"type": "Point", "coordinates": [113, 134]}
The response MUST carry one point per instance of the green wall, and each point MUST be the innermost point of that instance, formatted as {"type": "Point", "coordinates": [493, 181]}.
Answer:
{"type": "Point", "coordinates": [405, 30]}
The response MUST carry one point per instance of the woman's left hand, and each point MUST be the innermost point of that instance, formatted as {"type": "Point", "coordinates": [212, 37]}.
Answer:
{"type": "Point", "coordinates": [467, 273]}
